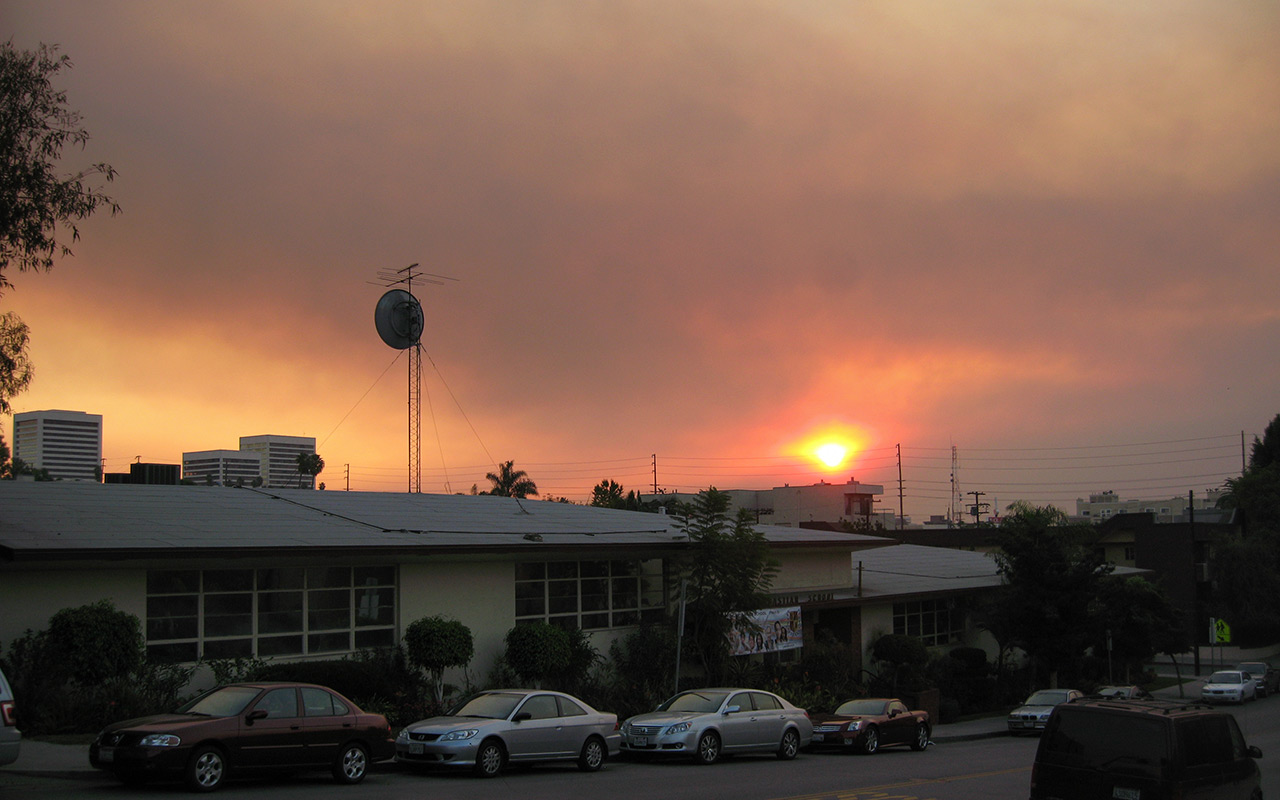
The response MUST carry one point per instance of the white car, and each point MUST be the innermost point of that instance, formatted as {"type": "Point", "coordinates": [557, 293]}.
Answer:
{"type": "Point", "coordinates": [707, 723]}
{"type": "Point", "coordinates": [10, 736]}
{"type": "Point", "coordinates": [1034, 713]}
{"type": "Point", "coordinates": [1229, 686]}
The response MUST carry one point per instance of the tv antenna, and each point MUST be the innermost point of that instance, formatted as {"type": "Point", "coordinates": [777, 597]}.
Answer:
{"type": "Point", "coordinates": [399, 320]}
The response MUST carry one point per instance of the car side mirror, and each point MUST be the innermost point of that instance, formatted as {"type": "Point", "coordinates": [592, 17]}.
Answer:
{"type": "Point", "coordinates": [733, 709]}
{"type": "Point", "coordinates": [1255, 752]}
{"type": "Point", "coordinates": [893, 712]}
{"type": "Point", "coordinates": [254, 715]}
{"type": "Point", "coordinates": [522, 716]}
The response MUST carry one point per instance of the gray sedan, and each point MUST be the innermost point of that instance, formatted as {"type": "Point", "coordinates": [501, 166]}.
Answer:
{"type": "Point", "coordinates": [705, 723]}
{"type": "Point", "coordinates": [493, 729]}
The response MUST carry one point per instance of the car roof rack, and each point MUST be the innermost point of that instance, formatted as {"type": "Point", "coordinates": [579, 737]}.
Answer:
{"type": "Point", "coordinates": [1155, 705]}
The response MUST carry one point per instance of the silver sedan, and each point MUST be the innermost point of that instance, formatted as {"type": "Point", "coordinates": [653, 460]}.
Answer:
{"type": "Point", "coordinates": [497, 728]}
{"type": "Point", "coordinates": [706, 723]}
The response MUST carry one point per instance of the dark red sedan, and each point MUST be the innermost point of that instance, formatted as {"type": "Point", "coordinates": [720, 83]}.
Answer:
{"type": "Point", "coordinates": [244, 728]}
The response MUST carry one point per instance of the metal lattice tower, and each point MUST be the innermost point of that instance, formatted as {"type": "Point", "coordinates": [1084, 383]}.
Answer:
{"type": "Point", "coordinates": [415, 418]}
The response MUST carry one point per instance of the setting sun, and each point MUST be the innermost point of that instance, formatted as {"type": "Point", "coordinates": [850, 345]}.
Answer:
{"type": "Point", "coordinates": [831, 454]}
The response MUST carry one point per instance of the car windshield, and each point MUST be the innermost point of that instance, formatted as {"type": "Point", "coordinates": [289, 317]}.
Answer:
{"type": "Point", "coordinates": [695, 701]}
{"type": "Point", "coordinates": [858, 708]}
{"type": "Point", "coordinates": [1050, 697]}
{"type": "Point", "coordinates": [494, 705]}
{"type": "Point", "coordinates": [1255, 670]}
{"type": "Point", "coordinates": [225, 701]}
{"type": "Point", "coordinates": [1226, 677]}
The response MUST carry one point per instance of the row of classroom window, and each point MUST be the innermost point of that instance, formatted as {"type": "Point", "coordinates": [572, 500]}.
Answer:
{"type": "Point", "coordinates": [299, 611]}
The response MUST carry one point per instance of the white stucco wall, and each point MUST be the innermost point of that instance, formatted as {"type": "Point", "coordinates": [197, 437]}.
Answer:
{"type": "Point", "coordinates": [477, 594]}
{"type": "Point", "coordinates": [29, 598]}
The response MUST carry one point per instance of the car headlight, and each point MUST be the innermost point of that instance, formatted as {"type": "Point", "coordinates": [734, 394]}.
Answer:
{"type": "Point", "coordinates": [679, 727]}
{"type": "Point", "coordinates": [454, 736]}
{"type": "Point", "coordinates": [160, 740]}
{"type": "Point", "coordinates": [853, 726]}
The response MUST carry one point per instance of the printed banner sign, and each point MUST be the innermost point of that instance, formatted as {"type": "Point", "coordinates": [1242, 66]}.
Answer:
{"type": "Point", "coordinates": [768, 630]}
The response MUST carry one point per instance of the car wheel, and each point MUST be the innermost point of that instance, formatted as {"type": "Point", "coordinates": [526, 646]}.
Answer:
{"type": "Point", "coordinates": [206, 769]}
{"type": "Point", "coordinates": [922, 738]}
{"type": "Point", "coordinates": [490, 759]}
{"type": "Point", "coordinates": [790, 744]}
{"type": "Point", "coordinates": [352, 764]}
{"type": "Point", "coordinates": [708, 748]}
{"type": "Point", "coordinates": [592, 756]}
{"type": "Point", "coordinates": [871, 740]}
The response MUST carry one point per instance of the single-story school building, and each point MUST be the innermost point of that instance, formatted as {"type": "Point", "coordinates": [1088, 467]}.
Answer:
{"type": "Point", "coordinates": [216, 572]}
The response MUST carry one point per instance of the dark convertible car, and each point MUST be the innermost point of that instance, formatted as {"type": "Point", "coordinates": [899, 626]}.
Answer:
{"type": "Point", "coordinates": [246, 727]}
{"type": "Point", "coordinates": [871, 723]}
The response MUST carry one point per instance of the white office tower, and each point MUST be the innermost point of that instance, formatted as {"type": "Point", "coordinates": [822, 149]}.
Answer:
{"type": "Point", "coordinates": [280, 459]}
{"type": "Point", "coordinates": [222, 467]}
{"type": "Point", "coordinates": [67, 443]}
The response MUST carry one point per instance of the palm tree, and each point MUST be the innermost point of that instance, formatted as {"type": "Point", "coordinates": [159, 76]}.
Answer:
{"type": "Point", "coordinates": [511, 482]}
{"type": "Point", "coordinates": [309, 464]}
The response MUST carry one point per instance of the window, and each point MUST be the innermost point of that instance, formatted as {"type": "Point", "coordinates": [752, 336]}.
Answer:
{"type": "Point", "coordinates": [590, 595]}
{"type": "Point", "coordinates": [933, 622]}
{"type": "Point", "coordinates": [290, 611]}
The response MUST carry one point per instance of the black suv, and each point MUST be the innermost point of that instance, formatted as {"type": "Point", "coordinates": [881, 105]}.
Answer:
{"type": "Point", "coordinates": [1117, 749]}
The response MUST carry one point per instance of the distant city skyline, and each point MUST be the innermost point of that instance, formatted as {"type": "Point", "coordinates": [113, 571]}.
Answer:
{"type": "Point", "coordinates": [723, 233]}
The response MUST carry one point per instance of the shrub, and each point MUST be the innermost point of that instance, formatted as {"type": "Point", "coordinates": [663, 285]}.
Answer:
{"type": "Point", "coordinates": [92, 644]}
{"type": "Point", "coordinates": [435, 644]}
{"type": "Point", "coordinates": [536, 651]}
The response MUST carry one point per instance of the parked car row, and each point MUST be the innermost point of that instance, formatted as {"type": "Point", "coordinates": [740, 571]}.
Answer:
{"type": "Point", "coordinates": [246, 728]}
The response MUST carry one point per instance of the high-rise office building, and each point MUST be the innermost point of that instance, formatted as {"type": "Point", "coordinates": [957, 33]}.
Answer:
{"type": "Point", "coordinates": [66, 443]}
{"type": "Point", "coordinates": [280, 459]}
{"type": "Point", "coordinates": [223, 467]}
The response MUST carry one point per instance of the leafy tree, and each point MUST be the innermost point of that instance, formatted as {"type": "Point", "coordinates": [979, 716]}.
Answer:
{"type": "Point", "coordinates": [607, 494]}
{"type": "Point", "coordinates": [1050, 574]}
{"type": "Point", "coordinates": [1137, 615]}
{"type": "Point", "coordinates": [1246, 567]}
{"type": "Point", "coordinates": [309, 464]}
{"type": "Point", "coordinates": [39, 205]}
{"type": "Point", "coordinates": [904, 657]}
{"type": "Point", "coordinates": [729, 570]}
{"type": "Point", "coordinates": [536, 651]}
{"type": "Point", "coordinates": [511, 482]}
{"type": "Point", "coordinates": [436, 644]}
{"type": "Point", "coordinates": [15, 364]}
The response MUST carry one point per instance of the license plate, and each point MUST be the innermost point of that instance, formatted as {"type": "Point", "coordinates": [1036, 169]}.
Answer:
{"type": "Point", "coordinates": [818, 737]}
{"type": "Point", "coordinates": [415, 748]}
{"type": "Point", "coordinates": [106, 754]}
{"type": "Point", "coordinates": [639, 741]}
{"type": "Point", "coordinates": [1123, 793]}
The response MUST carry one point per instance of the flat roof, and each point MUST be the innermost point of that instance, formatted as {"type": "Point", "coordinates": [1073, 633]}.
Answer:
{"type": "Point", "coordinates": [65, 520]}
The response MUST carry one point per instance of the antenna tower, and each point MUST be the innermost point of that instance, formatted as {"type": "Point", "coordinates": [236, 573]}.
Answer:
{"type": "Point", "coordinates": [399, 321]}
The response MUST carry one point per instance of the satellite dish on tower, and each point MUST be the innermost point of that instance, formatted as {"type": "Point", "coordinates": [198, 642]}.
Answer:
{"type": "Point", "coordinates": [398, 318]}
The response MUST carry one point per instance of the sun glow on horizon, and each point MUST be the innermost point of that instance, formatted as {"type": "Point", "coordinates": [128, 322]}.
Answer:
{"type": "Point", "coordinates": [831, 454]}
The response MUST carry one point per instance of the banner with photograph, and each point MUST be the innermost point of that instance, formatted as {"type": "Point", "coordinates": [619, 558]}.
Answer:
{"type": "Point", "coordinates": [767, 630]}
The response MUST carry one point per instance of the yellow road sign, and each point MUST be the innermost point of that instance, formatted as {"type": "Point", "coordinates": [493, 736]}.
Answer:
{"type": "Point", "coordinates": [1221, 632]}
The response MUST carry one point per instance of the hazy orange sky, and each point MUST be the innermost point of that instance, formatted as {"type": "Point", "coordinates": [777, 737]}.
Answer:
{"type": "Point", "coordinates": [718, 232]}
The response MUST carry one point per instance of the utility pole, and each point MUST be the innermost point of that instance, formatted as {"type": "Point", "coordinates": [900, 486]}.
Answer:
{"type": "Point", "coordinates": [655, 473]}
{"type": "Point", "coordinates": [953, 511]}
{"type": "Point", "coordinates": [346, 472]}
{"type": "Point", "coordinates": [978, 506]}
{"type": "Point", "coordinates": [901, 513]}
